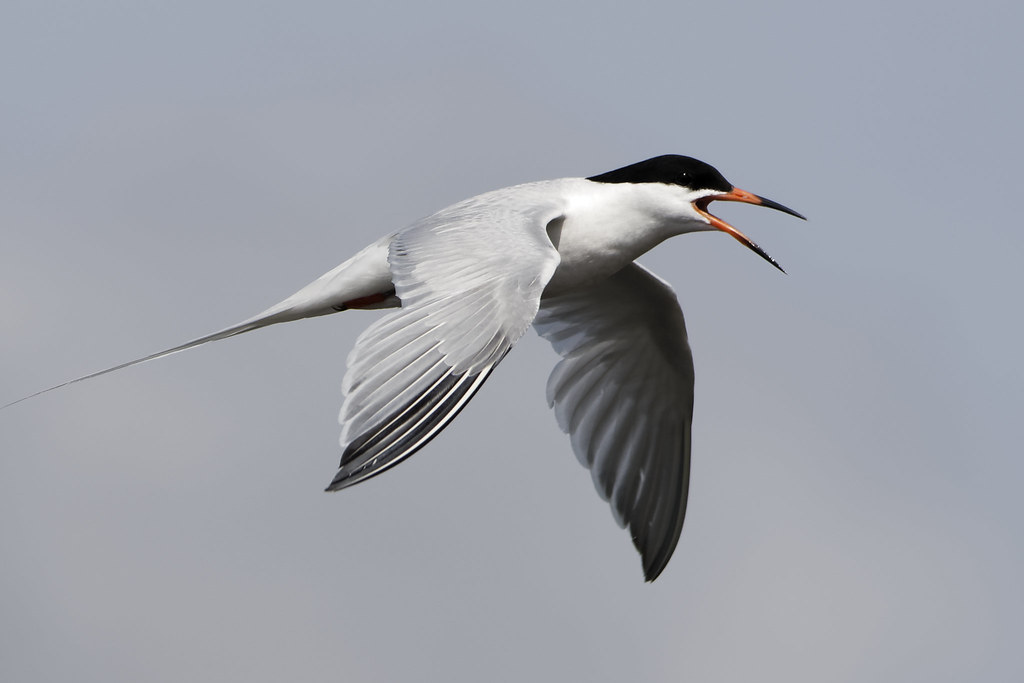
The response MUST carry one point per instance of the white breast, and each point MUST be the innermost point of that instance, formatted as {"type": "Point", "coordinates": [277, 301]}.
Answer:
{"type": "Point", "coordinates": [606, 227]}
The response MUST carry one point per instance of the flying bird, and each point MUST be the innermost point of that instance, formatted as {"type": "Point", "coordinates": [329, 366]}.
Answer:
{"type": "Point", "coordinates": [470, 279]}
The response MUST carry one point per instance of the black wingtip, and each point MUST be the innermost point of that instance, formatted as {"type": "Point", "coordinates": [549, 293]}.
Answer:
{"type": "Point", "coordinates": [652, 573]}
{"type": "Point", "coordinates": [655, 564]}
{"type": "Point", "coordinates": [345, 478]}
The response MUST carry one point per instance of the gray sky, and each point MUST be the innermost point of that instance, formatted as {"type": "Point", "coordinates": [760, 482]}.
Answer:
{"type": "Point", "coordinates": [170, 168]}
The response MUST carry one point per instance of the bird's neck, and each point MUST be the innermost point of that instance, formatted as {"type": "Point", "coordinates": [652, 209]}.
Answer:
{"type": "Point", "coordinates": [606, 227]}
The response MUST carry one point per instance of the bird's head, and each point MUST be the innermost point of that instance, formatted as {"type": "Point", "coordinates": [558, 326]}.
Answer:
{"type": "Point", "coordinates": [691, 185]}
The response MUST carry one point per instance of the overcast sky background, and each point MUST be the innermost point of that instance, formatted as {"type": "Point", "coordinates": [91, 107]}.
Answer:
{"type": "Point", "coordinates": [169, 168]}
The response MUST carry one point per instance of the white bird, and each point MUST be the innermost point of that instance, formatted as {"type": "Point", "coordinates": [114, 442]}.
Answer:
{"type": "Point", "coordinates": [470, 279]}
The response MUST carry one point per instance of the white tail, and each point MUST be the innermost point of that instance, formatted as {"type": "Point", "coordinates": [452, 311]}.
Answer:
{"type": "Point", "coordinates": [251, 324]}
{"type": "Point", "coordinates": [364, 278]}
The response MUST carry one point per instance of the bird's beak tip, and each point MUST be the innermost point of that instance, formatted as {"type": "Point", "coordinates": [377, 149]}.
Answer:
{"type": "Point", "coordinates": [768, 203]}
{"type": "Point", "coordinates": [738, 195]}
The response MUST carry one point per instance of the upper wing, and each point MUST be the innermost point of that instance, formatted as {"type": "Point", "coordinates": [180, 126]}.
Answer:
{"type": "Point", "coordinates": [469, 279]}
{"type": "Point", "coordinates": [623, 391]}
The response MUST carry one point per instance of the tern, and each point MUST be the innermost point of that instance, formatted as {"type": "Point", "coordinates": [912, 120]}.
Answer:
{"type": "Point", "coordinates": [470, 279]}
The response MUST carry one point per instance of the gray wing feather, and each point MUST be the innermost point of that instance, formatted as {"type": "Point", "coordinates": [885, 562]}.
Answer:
{"type": "Point", "coordinates": [623, 391]}
{"type": "Point", "coordinates": [470, 280]}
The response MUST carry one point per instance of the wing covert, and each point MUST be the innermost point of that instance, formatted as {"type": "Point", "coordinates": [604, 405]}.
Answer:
{"type": "Point", "coordinates": [470, 279]}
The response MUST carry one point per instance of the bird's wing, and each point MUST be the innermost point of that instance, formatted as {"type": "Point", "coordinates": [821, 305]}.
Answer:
{"type": "Point", "coordinates": [623, 391]}
{"type": "Point", "coordinates": [470, 280]}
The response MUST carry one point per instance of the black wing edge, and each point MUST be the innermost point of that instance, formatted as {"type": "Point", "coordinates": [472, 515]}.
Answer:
{"type": "Point", "coordinates": [655, 559]}
{"type": "Point", "coordinates": [408, 429]}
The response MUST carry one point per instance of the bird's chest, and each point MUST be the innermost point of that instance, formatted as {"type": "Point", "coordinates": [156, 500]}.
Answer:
{"type": "Point", "coordinates": [596, 244]}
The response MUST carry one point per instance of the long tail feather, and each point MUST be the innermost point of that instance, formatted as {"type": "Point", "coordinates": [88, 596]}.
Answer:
{"type": "Point", "coordinates": [363, 281]}
{"type": "Point", "coordinates": [269, 317]}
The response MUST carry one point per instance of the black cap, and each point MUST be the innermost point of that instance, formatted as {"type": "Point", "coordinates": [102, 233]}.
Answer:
{"type": "Point", "coordinates": [671, 169]}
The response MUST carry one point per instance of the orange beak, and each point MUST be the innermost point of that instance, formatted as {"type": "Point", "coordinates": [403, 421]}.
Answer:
{"type": "Point", "coordinates": [738, 195]}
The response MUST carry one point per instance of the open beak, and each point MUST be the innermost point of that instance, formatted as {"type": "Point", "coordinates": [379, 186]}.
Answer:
{"type": "Point", "coordinates": [738, 195]}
